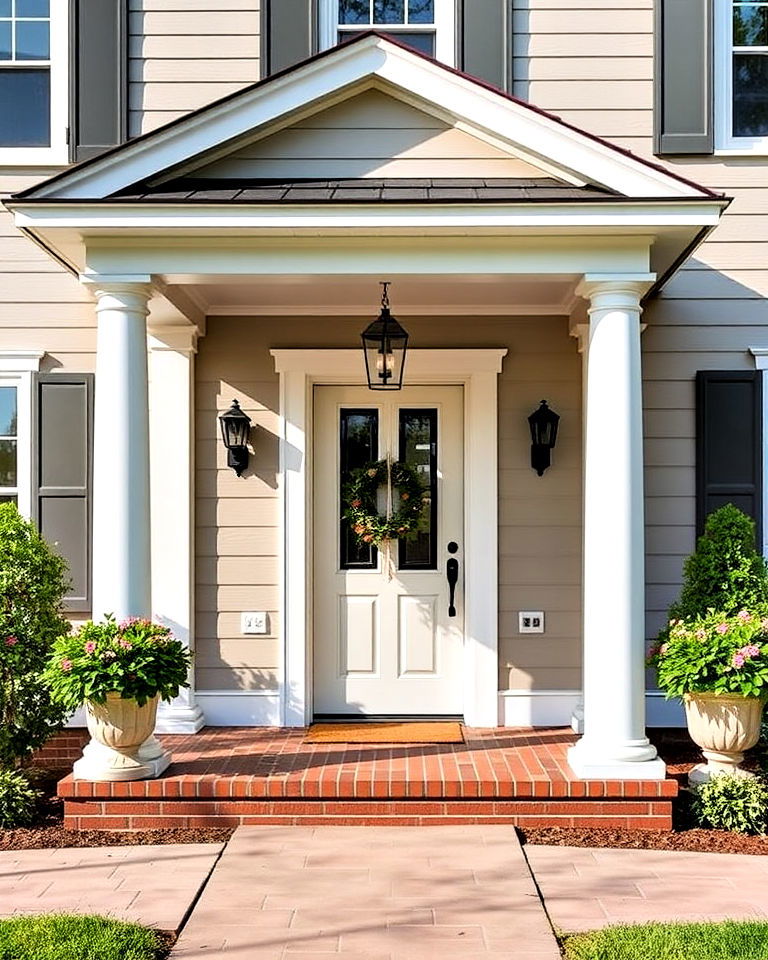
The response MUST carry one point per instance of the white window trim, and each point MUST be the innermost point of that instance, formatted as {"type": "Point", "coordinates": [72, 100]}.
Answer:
{"type": "Point", "coordinates": [16, 370]}
{"type": "Point", "coordinates": [444, 28]}
{"type": "Point", "coordinates": [58, 152]}
{"type": "Point", "coordinates": [725, 143]}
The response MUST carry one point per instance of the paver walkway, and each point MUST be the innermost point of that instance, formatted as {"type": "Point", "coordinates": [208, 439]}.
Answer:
{"type": "Point", "coordinates": [370, 893]}
{"type": "Point", "coordinates": [586, 889]}
{"type": "Point", "coordinates": [154, 885]}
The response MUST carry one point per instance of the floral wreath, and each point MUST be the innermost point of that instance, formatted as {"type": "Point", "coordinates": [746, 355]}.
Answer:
{"type": "Point", "coordinates": [361, 509]}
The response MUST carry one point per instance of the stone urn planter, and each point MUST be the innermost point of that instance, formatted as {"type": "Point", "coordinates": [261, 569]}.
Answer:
{"type": "Point", "coordinates": [724, 725]}
{"type": "Point", "coordinates": [122, 745]}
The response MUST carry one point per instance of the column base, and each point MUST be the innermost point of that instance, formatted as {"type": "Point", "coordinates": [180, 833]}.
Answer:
{"type": "Point", "coordinates": [178, 719]}
{"type": "Point", "coordinates": [635, 761]}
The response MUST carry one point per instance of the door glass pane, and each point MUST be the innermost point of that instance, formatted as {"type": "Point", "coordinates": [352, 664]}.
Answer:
{"type": "Point", "coordinates": [750, 25]}
{"type": "Point", "coordinates": [354, 11]}
{"type": "Point", "coordinates": [421, 11]}
{"type": "Point", "coordinates": [750, 95]}
{"type": "Point", "coordinates": [25, 117]}
{"type": "Point", "coordinates": [32, 40]}
{"type": "Point", "coordinates": [389, 11]}
{"type": "Point", "coordinates": [418, 448]}
{"type": "Point", "coordinates": [7, 499]}
{"type": "Point", "coordinates": [7, 463]}
{"type": "Point", "coordinates": [359, 445]}
{"type": "Point", "coordinates": [7, 411]}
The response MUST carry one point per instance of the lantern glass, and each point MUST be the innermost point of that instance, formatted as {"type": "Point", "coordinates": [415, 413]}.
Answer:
{"type": "Point", "coordinates": [235, 427]}
{"type": "Point", "coordinates": [543, 424]}
{"type": "Point", "coordinates": [385, 343]}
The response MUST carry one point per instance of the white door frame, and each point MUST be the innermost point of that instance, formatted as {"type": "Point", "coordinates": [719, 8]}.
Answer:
{"type": "Point", "coordinates": [477, 371]}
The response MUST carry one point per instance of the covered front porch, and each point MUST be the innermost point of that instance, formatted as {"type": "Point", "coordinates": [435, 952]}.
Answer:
{"type": "Point", "coordinates": [217, 276]}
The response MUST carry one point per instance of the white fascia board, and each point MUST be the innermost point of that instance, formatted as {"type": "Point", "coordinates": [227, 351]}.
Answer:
{"type": "Point", "coordinates": [333, 218]}
{"type": "Point", "coordinates": [351, 67]}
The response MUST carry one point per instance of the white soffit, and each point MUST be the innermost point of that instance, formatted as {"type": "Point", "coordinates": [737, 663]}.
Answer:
{"type": "Point", "coordinates": [372, 61]}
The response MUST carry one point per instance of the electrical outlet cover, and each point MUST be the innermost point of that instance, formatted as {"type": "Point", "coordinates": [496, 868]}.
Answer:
{"type": "Point", "coordinates": [531, 621]}
{"type": "Point", "coordinates": [251, 623]}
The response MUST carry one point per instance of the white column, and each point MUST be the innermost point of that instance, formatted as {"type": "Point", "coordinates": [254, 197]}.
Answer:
{"type": "Point", "coordinates": [121, 516]}
{"type": "Point", "coordinates": [614, 744]}
{"type": "Point", "coordinates": [171, 432]}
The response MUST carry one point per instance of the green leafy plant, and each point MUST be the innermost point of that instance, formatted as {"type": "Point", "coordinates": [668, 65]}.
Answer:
{"type": "Point", "coordinates": [18, 800]}
{"type": "Point", "coordinates": [714, 653]}
{"type": "Point", "coordinates": [731, 803]}
{"type": "Point", "coordinates": [136, 658]}
{"type": "Point", "coordinates": [725, 572]}
{"type": "Point", "coordinates": [33, 581]}
{"type": "Point", "coordinates": [361, 510]}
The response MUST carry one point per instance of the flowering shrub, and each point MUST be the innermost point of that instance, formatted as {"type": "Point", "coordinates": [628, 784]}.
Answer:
{"type": "Point", "coordinates": [136, 658]}
{"type": "Point", "coordinates": [714, 653]}
{"type": "Point", "coordinates": [18, 800]}
{"type": "Point", "coordinates": [732, 803]}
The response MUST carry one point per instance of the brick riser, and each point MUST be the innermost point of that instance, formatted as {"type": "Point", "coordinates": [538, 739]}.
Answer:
{"type": "Point", "coordinates": [641, 814]}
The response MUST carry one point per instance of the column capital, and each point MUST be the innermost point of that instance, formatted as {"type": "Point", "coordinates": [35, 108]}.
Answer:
{"type": "Point", "coordinates": [615, 291]}
{"type": "Point", "coordinates": [123, 292]}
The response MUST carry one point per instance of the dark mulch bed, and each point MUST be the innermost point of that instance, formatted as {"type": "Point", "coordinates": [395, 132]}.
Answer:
{"type": "Point", "coordinates": [49, 830]}
{"type": "Point", "coordinates": [680, 754]}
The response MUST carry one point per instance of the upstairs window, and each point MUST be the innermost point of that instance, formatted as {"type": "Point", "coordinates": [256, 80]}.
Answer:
{"type": "Point", "coordinates": [426, 25]}
{"type": "Point", "coordinates": [741, 118]}
{"type": "Point", "coordinates": [33, 81]}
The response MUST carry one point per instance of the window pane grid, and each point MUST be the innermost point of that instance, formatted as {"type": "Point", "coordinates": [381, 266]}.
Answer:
{"type": "Point", "coordinates": [25, 32]}
{"type": "Point", "coordinates": [390, 13]}
{"type": "Point", "coordinates": [748, 107]}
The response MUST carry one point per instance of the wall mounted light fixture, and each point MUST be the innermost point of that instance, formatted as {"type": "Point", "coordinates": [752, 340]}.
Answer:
{"type": "Point", "coordinates": [543, 423]}
{"type": "Point", "coordinates": [384, 345]}
{"type": "Point", "coordinates": [235, 429]}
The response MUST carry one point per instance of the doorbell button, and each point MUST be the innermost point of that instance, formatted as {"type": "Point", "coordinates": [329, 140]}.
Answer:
{"type": "Point", "coordinates": [453, 547]}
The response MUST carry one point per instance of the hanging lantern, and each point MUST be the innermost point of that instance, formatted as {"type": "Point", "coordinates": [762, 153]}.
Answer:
{"type": "Point", "coordinates": [543, 423]}
{"type": "Point", "coordinates": [235, 430]}
{"type": "Point", "coordinates": [384, 346]}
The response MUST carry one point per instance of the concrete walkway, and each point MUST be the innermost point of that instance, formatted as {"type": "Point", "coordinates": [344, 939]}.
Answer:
{"type": "Point", "coordinates": [153, 885]}
{"type": "Point", "coordinates": [370, 893]}
{"type": "Point", "coordinates": [586, 889]}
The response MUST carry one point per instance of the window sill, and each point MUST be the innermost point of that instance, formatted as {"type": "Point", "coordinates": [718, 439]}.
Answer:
{"type": "Point", "coordinates": [34, 156]}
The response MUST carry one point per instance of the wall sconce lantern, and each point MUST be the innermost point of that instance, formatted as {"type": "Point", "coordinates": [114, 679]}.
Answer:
{"type": "Point", "coordinates": [543, 423]}
{"type": "Point", "coordinates": [235, 429]}
{"type": "Point", "coordinates": [384, 346]}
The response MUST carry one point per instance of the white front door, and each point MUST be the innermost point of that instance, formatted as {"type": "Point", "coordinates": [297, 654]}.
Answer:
{"type": "Point", "coordinates": [385, 642]}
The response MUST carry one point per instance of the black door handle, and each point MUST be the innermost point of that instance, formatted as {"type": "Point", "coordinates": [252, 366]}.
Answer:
{"type": "Point", "coordinates": [452, 572]}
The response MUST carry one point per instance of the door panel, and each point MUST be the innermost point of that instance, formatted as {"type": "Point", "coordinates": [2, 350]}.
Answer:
{"type": "Point", "coordinates": [383, 643]}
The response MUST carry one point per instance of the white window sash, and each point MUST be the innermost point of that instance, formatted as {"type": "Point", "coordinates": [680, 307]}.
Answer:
{"type": "Point", "coordinates": [444, 28]}
{"type": "Point", "coordinates": [58, 152]}
{"type": "Point", "coordinates": [23, 489]}
{"type": "Point", "coordinates": [725, 142]}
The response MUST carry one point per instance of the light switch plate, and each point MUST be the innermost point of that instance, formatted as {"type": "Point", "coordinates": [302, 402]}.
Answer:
{"type": "Point", "coordinates": [253, 623]}
{"type": "Point", "coordinates": [531, 621]}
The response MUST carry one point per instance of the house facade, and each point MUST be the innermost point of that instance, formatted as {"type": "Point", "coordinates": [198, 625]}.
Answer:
{"type": "Point", "coordinates": [568, 202]}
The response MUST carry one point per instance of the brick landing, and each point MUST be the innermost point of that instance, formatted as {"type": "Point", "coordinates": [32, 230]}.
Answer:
{"type": "Point", "coordinates": [229, 776]}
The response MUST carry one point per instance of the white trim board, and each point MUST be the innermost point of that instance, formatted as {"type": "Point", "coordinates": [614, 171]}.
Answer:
{"type": "Point", "coordinates": [554, 708]}
{"type": "Point", "coordinates": [240, 708]}
{"type": "Point", "coordinates": [477, 371]}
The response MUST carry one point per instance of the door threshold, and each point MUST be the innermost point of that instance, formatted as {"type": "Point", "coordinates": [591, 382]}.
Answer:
{"type": "Point", "coordinates": [386, 717]}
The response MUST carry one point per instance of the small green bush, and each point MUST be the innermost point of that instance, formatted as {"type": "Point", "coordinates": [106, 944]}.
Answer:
{"type": "Point", "coordinates": [725, 572]}
{"type": "Point", "coordinates": [63, 937]}
{"type": "Point", "coordinates": [18, 800]}
{"type": "Point", "coordinates": [33, 581]}
{"type": "Point", "coordinates": [731, 803]}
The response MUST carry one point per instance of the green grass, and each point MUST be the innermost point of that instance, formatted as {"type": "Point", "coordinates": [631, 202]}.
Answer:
{"type": "Point", "coordinates": [728, 940]}
{"type": "Point", "coordinates": [64, 937]}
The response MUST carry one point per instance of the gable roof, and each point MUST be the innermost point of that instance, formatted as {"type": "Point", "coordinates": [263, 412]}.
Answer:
{"type": "Point", "coordinates": [560, 150]}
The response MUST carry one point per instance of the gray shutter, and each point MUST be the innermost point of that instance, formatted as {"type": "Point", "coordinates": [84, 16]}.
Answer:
{"type": "Point", "coordinates": [62, 474]}
{"type": "Point", "coordinates": [98, 76]}
{"type": "Point", "coordinates": [729, 441]}
{"type": "Point", "coordinates": [290, 33]}
{"type": "Point", "coordinates": [485, 32]}
{"type": "Point", "coordinates": [683, 77]}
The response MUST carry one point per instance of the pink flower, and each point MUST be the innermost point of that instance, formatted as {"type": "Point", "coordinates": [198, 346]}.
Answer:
{"type": "Point", "coordinates": [663, 648]}
{"type": "Point", "coordinates": [738, 660]}
{"type": "Point", "coordinates": [11, 641]}
{"type": "Point", "coordinates": [125, 644]}
{"type": "Point", "coordinates": [66, 665]}
{"type": "Point", "coordinates": [744, 615]}
{"type": "Point", "coordinates": [750, 651]}
{"type": "Point", "coordinates": [108, 655]}
{"type": "Point", "coordinates": [764, 624]}
{"type": "Point", "coordinates": [90, 646]}
{"type": "Point", "coordinates": [722, 628]}
{"type": "Point", "coordinates": [701, 634]}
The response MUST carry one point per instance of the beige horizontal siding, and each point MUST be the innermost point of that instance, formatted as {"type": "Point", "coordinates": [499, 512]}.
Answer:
{"type": "Point", "coordinates": [185, 55]}
{"type": "Point", "coordinates": [238, 520]}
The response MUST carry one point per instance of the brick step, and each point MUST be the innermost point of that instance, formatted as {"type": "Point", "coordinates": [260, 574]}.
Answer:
{"type": "Point", "coordinates": [150, 814]}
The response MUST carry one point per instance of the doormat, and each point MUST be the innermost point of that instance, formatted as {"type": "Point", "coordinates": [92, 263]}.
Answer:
{"type": "Point", "coordinates": [429, 731]}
